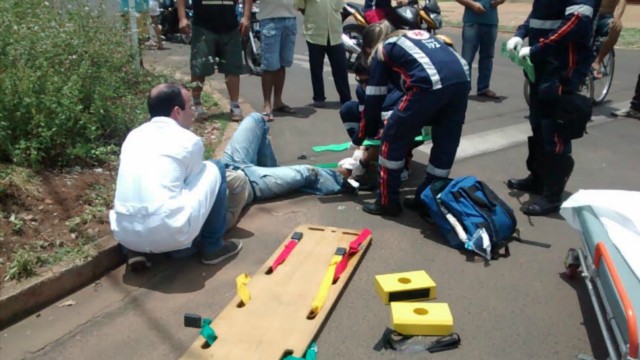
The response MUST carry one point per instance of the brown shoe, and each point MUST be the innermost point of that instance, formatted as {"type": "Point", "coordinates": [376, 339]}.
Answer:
{"type": "Point", "coordinates": [489, 94]}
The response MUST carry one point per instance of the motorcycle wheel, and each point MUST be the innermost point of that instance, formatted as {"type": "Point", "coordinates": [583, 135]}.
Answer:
{"type": "Point", "coordinates": [252, 58]}
{"type": "Point", "coordinates": [353, 32]}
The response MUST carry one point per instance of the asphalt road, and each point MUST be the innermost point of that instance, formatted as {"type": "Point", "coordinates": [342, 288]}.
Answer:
{"type": "Point", "coordinates": [514, 308]}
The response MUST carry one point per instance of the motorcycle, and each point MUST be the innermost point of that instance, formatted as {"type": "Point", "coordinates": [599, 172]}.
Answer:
{"type": "Point", "coordinates": [428, 18]}
{"type": "Point", "coordinates": [170, 22]}
{"type": "Point", "coordinates": [352, 32]}
{"type": "Point", "coordinates": [251, 42]}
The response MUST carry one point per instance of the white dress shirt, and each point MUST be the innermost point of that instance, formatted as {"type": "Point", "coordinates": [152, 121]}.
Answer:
{"type": "Point", "coordinates": [164, 190]}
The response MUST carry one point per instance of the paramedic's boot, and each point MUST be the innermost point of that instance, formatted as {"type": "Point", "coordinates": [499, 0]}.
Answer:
{"type": "Point", "coordinates": [376, 208]}
{"type": "Point", "coordinates": [558, 169]}
{"type": "Point", "coordinates": [532, 183]}
{"type": "Point", "coordinates": [415, 203]}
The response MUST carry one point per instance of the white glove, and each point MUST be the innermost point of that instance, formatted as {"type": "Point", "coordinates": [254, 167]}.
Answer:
{"type": "Point", "coordinates": [524, 52]}
{"type": "Point", "coordinates": [353, 165]}
{"type": "Point", "coordinates": [357, 155]}
{"type": "Point", "coordinates": [514, 43]}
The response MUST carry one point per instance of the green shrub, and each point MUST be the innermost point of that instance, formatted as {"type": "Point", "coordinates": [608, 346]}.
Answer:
{"type": "Point", "coordinates": [69, 87]}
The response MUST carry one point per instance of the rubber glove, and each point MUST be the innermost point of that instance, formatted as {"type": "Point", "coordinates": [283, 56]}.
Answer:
{"type": "Point", "coordinates": [524, 52]}
{"type": "Point", "coordinates": [357, 155]}
{"type": "Point", "coordinates": [514, 43]}
{"type": "Point", "coordinates": [354, 165]}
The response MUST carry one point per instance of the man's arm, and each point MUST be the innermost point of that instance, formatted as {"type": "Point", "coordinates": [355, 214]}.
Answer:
{"type": "Point", "coordinates": [476, 7]}
{"type": "Point", "coordinates": [184, 25]}
{"type": "Point", "coordinates": [616, 23]}
{"type": "Point", "coordinates": [376, 91]}
{"type": "Point", "coordinates": [245, 23]}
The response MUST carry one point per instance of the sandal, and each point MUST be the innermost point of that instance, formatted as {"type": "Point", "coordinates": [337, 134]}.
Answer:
{"type": "Point", "coordinates": [268, 117]}
{"type": "Point", "coordinates": [286, 109]}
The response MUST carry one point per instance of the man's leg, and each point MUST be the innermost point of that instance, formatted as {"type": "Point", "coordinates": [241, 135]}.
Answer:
{"type": "Point", "coordinates": [316, 65]}
{"type": "Point", "coordinates": [230, 51]}
{"type": "Point", "coordinates": [214, 249]}
{"type": "Point", "coordinates": [250, 144]}
{"type": "Point", "coordinates": [288, 31]}
{"type": "Point", "coordinates": [608, 44]}
{"type": "Point", "coordinates": [350, 116]}
{"type": "Point", "coordinates": [339, 72]}
{"type": "Point", "coordinates": [487, 39]}
{"type": "Point", "coordinates": [270, 50]}
{"type": "Point", "coordinates": [633, 111]}
{"type": "Point", "coordinates": [470, 44]}
{"type": "Point", "coordinates": [202, 51]}
{"type": "Point", "coordinates": [270, 182]}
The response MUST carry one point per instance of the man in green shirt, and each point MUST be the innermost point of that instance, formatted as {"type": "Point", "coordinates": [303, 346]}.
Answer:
{"type": "Point", "coordinates": [323, 33]}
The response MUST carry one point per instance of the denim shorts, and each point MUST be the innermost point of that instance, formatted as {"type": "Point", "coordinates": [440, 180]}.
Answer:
{"type": "Point", "coordinates": [278, 40]}
{"type": "Point", "coordinates": [602, 24]}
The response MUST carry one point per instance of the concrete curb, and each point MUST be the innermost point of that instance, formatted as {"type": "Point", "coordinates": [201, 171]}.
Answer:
{"type": "Point", "coordinates": [21, 299]}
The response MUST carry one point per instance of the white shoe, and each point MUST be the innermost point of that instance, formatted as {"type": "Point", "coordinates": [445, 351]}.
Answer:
{"type": "Point", "coordinates": [200, 113]}
{"type": "Point", "coordinates": [235, 114]}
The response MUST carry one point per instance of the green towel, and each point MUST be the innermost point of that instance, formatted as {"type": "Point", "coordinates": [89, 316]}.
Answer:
{"type": "Point", "coordinates": [345, 146]}
{"type": "Point", "coordinates": [524, 63]}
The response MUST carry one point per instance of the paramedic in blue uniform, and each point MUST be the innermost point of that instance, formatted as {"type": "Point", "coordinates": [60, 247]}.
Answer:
{"type": "Point", "coordinates": [435, 83]}
{"type": "Point", "coordinates": [560, 33]}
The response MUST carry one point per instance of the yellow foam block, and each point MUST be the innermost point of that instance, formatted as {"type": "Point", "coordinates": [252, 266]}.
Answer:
{"type": "Point", "coordinates": [421, 318]}
{"type": "Point", "coordinates": [406, 286]}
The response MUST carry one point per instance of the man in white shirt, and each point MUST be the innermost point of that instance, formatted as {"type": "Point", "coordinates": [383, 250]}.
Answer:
{"type": "Point", "coordinates": [168, 199]}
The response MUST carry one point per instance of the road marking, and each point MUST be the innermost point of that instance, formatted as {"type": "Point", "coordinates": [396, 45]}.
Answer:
{"type": "Point", "coordinates": [501, 138]}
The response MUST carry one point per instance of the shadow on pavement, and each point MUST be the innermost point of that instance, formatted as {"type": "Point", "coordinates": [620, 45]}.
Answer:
{"type": "Point", "coordinates": [590, 321]}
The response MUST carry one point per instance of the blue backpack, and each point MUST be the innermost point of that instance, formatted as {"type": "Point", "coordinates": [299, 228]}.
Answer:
{"type": "Point", "coordinates": [470, 215]}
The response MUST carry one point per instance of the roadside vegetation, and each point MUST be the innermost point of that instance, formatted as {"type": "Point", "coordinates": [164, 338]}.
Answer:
{"type": "Point", "coordinates": [70, 91]}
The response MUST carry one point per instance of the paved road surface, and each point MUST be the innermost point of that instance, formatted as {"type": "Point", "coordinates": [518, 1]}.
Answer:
{"type": "Point", "coordinates": [514, 308]}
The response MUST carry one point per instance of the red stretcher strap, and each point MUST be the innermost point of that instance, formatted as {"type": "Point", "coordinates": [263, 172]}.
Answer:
{"type": "Point", "coordinates": [354, 247]}
{"type": "Point", "coordinates": [284, 254]}
{"type": "Point", "coordinates": [632, 328]}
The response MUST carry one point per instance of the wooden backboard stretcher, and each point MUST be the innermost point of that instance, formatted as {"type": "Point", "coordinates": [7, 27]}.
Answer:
{"type": "Point", "coordinates": [274, 322]}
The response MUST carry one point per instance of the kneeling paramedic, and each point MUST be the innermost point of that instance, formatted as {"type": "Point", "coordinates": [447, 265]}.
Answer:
{"type": "Point", "coordinates": [435, 83]}
{"type": "Point", "coordinates": [560, 34]}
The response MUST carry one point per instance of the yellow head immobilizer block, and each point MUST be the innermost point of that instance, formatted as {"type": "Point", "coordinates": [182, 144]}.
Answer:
{"type": "Point", "coordinates": [411, 318]}
{"type": "Point", "coordinates": [407, 286]}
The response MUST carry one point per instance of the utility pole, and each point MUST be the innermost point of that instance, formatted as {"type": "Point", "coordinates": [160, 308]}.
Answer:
{"type": "Point", "coordinates": [134, 34]}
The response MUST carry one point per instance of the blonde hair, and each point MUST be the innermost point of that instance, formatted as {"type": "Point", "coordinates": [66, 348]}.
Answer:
{"type": "Point", "coordinates": [377, 52]}
{"type": "Point", "coordinates": [373, 37]}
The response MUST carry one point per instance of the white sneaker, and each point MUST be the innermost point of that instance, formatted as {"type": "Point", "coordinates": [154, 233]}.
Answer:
{"type": "Point", "coordinates": [628, 112]}
{"type": "Point", "coordinates": [200, 113]}
{"type": "Point", "coordinates": [235, 114]}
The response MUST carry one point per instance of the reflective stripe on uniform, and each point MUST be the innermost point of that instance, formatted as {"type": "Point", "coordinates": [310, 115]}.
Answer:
{"type": "Point", "coordinates": [438, 172]}
{"type": "Point", "coordinates": [423, 59]}
{"type": "Point", "coordinates": [376, 90]}
{"type": "Point", "coordinates": [360, 107]}
{"type": "Point", "coordinates": [351, 125]}
{"type": "Point", "coordinates": [580, 9]}
{"type": "Point", "coordinates": [386, 114]}
{"type": "Point", "coordinates": [544, 24]}
{"type": "Point", "coordinates": [389, 164]}
{"type": "Point", "coordinates": [217, 2]}
{"type": "Point", "coordinates": [464, 64]}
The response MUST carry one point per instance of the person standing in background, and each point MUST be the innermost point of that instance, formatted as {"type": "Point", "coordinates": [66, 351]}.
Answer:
{"type": "Point", "coordinates": [323, 33]}
{"type": "Point", "coordinates": [479, 34]}
{"type": "Point", "coordinates": [154, 13]}
{"type": "Point", "coordinates": [217, 33]}
{"type": "Point", "coordinates": [278, 31]}
{"type": "Point", "coordinates": [608, 25]}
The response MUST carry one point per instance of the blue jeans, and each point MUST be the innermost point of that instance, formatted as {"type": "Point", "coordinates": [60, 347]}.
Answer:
{"type": "Point", "coordinates": [338, 62]}
{"type": "Point", "coordinates": [211, 235]}
{"type": "Point", "coordinates": [250, 151]}
{"type": "Point", "coordinates": [482, 37]}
